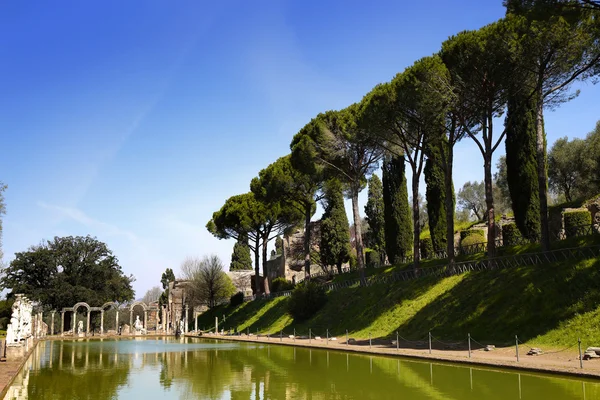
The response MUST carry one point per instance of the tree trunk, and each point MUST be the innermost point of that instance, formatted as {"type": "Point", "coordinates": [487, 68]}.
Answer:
{"type": "Point", "coordinates": [265, 242]}
{"type": "Point", "coordinates": [542, 173]}
{"type": "Point", "coordinates": [257, 265]}
{"type": "Point", "coordinates": [449, 205]}
{"type": "Point", "coordinates": [307, 237]}
{"type": "Point", "coordinates": [489, 202]}
{"type": "Point", "coordinates": [358, 235]}
{"type": "Point", "coordinates": [416, 222]}
{"type": "Point", "coordinates": [339, 268]}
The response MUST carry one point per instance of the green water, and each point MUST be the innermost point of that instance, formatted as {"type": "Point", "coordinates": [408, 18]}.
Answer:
{"type": "Point", "coordinates": [204, 369]}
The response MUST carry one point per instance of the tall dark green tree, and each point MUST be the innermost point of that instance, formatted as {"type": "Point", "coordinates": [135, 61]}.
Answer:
{"type": "Point", "coordinates": [556, 45]}
{"type": "Point", "coordinates": [295, 180]}
{"type": "Point", "coordinates": [374, 210]}
{"type": "Point", "coordinates": [166, 277]}
{"type": "Point", "coordinates": [435, 195]}
{"type": "Point", "coordinates": [479, 63]}
{"type": "Point", "coordinates": [521, 163]}
{"type": "Point", "coordinates": [67, 270]}
{"type": "Point", "coordinates": [335, 230]}
{"type": "Point", "coordinates": [241, 216]}
{"type": "Point", "coordinates": [241, 258]}
{"type": "Point", "coordinates": [339, 143]}
{"type": "Point", "coordinates": [398, 227]}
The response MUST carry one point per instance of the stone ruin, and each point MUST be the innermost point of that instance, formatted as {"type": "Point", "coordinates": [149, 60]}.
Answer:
{"type": "Point", "coordinates": [23, 328]}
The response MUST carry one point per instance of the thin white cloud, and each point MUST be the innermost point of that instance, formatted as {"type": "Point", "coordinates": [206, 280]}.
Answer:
{"type": "Point", "coordinates": [79, 216]}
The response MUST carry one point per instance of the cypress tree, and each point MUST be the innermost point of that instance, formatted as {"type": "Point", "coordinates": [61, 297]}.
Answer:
{"type": "Point", "coordinates": [398, 222]}
{"type": "Point", "coordinates": [435, 194]}
{"type": "Point", "coordinates": [521, 164]}
{"type": "Point", "coordinates": [278, 245]}
{"type": "Point", "coordinates": [240, 258]}
{"type": "Point", "coordinates": [375, 216]}
{"type": "Point", "coordinates": [335, 230]}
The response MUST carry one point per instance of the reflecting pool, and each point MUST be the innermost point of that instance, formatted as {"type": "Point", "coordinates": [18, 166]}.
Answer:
{"type": "Point", "coordinates": [168, 368]}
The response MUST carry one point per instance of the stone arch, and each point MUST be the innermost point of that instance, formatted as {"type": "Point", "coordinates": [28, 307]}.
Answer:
{"type": "Point", "coordinates": [81, 304]}
{"type": "Point", "coordinates": [109, 304]}
{"type": "Point", "coordinates": [75, 307]}
{"type": "Point", "coordinates": [138, 303]}
{"type": "Point", "coordinates": [144, 314]}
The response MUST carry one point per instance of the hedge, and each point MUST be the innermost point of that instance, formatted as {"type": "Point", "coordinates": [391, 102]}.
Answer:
{"type": "Point", "coordinates": [426, 248]}
{"type": "Point", "coordinates": [281, 285]}
{"type": "Point", "coordinates": [511, 235]}
{"type": "Point", "coordinates": [472, 232]}
{"type": "Point", "coordinates": [372, 258]}
{"type": "Point", "coordinates": [575, 220]}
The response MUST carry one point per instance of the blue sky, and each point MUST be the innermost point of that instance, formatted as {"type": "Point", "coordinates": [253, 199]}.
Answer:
{"type": "Point", "coordinates": [133, 121]}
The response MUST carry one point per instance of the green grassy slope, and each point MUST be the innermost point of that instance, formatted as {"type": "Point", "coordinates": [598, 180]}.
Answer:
{"type": "Point", "coordinates": [549, 305]}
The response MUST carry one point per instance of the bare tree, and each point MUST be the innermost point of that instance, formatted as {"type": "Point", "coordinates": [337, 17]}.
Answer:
{"type": "Point", "coordinates": [208, 282]}
{"type": "Point", "coordinates": [152, 295]}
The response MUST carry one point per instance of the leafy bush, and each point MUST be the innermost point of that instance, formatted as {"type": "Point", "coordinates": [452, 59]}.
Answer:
{"type": "Point", "coordinates": [236, 299]}
{"type": "Point", "coordinates": [575, 220]}
{"type": "Point", "coordinates": [306, 300]}
{"type": "Point", "coordinates": [281, 285]}
{"type": "Point", "coordinates": [426, 248]}
{"type": "Point", "coordinates": [372, 258]}
{"type": "Point", "coordinates": [353, 261]}
{"type": "Point", "coordinates": [470, 238]}
{"type": "Point", "coordinates": [511, 236]}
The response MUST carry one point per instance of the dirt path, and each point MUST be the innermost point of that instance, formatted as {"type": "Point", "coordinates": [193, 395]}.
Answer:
{"type": "Point", "coordinates": [564, 362]}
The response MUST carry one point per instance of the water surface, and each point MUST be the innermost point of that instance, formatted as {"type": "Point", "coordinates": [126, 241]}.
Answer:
{"type": "Point", "coordinates": [204, 369]}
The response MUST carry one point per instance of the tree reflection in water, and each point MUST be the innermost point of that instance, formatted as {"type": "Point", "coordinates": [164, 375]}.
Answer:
{"type": "Point", "coordinates": [188, 368]}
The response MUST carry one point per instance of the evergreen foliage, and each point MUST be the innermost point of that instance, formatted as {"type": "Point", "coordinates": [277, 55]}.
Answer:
{"type": "Point", "coordinates": [435, 195]}
{"type": "Point", "coordinates": [306, 300]}
{"type": "Point", "coordinates": [236, 299]}
{"type": "Point", "coordinates": [67, 270]}
{"type": "Point", "coordinates": [398, 226]}
{"type": "Point", "coordinates": [427, 249]}
{"type": "Point", "coordinates": [511, 236]}
{"type": "Point", "coordinates": [575, 221]}
{"type": "Point", "coordinates": [241, 258]}
{"type": "Point", "coordinates": [335, 230]}
{"type": "Point", "coordinates": [278, 245]}
{"type": "Point", "coordinates": [374, 210]}
{"type": "Point", "coordinates": [521, 164]}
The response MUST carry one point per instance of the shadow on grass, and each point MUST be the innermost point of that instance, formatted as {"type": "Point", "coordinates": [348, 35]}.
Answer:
{"type": "Point", "coordinates": [524, 301]}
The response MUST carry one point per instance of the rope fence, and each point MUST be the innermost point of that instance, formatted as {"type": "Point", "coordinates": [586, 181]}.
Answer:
{"type": "Point", "coordinates": [430, 343]}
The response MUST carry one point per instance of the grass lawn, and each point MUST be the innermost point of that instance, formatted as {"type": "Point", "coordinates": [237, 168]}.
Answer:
{"type": "Point", "coordinates": [550, 305]}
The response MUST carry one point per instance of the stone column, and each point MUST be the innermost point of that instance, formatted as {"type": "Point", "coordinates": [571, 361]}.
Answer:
{"type": "Point", "coordinates": [74, 322]}
{"type": "Point", "coordinates": [101, 322]}
{"type": "Point", "coordinates": [52, 324]}
{"type": "Point", "coordinates": [185, 319]}
{"type": "Point", "coordinates": [62, 323]}
{"type": "Point", "coordinates": [117, 321]}
{"type": "Point", "coordinates": [87, 326]}
{"type": "Point", "coordinates": [130, 320]}
{"type": "Point", "coordinates": [195, 323]}
{"type": "Point", "coordinates": [146, 320]}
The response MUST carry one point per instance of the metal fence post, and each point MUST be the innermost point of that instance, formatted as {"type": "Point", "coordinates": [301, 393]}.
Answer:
{"type": "Point", "coordinates": [294, 334]}
{"type": "Point", "coordinates": [397, 341]}
{"type": "Point", "coordinates": [580, 358]}
{"type": "Point", "coordinates": [347, 337]}
{"type": "Point", "coordinates": [429, 342]}
{"type": "Point", "coordinates": [327, 340]}
{"type": "Point", "coordinates": [281, 336]}
{"type": "Point", "coordinates": [469, 345]}
{"type": "Point", "coordinates": [309, 335]}
{"type": "Point", "coordinates": [369, 339]}
{"type": "Point", "coordinates": [517, 345]}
